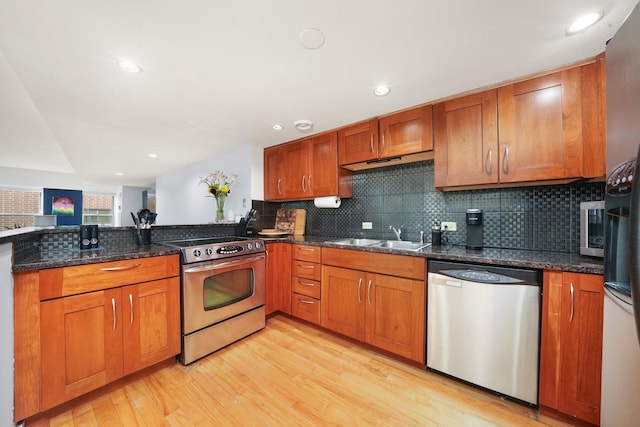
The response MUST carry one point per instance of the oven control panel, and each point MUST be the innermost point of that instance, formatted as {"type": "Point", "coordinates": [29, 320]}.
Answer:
{"type": "Point", "coordinates": [223, 251]}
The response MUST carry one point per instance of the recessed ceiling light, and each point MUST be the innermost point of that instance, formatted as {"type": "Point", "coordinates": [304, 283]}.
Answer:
{"type": "Point", "coordinates": [312, 38]}
{"type": "Point", "coordinates": [277, 126]}
{"type": "Point", "coordinates": [381, 91]}
{"type": "Point", "coordinates": [119, 173]}
{"type": "Point", "coordinates": [129, 66]}
{"type": "Point", "coordinates": [583, 22]}
{"type": "Point", "coordinates": [153, 156]}
{"type": "Point", "coordinates": [303, 125]}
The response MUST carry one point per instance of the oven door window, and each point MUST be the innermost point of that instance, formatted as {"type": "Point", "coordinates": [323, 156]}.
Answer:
{"type": "Point", "coordinates": [227, 288]}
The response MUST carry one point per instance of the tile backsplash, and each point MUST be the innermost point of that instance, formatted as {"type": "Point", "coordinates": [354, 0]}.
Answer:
{"type": "Point", "coordinates": [539, 218]}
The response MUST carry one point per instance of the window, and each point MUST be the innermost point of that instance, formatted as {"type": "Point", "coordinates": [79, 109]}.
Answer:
{"type": "Point", "coordinates": [18, 206]}
{"type": "Point", "coordinates": [97, 209]}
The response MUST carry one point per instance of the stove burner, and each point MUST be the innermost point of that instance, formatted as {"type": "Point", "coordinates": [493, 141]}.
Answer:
{"type": "Point", "coordinates": [210, 248]}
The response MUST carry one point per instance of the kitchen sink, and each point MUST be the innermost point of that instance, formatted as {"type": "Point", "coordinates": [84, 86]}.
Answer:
{"type": "Point", "coordinates": [356, 242]}
{"type": "Point", "coordinates": [401, 244]}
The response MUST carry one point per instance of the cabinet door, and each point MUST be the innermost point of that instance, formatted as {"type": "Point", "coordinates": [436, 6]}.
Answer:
{"type": "Point", "coordinates": [323, 165]}
{"type": "Point", "coordinates": [396, 315]}
{"type": "Point", "coordinates": [342, 308]}
{"type": "Point", "coordinates": [571, 344]}
{"type": "Point", "coordinates": [581, 346]}
{"type": "Point", "coordinates": [273, 173]}
{"type": "Point", "coordinates": [278, 278]}
{"type": "Point", "coordinates": [81, 344]}
{"type": "Point", "coordinates": [540, 128]}
{"type": "Point", "coordinates": [466, 140]}
{"type": "Point", "coordinates": [295, 170]}
{"type": "Point", "coordinates": [151, 323]}
{"type": "Point", "coordinates": [408, 132]}
{"type": "Point", "coordinates": [358, 143]}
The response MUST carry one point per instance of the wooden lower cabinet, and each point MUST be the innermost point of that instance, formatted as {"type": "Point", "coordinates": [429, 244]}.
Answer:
{"type": "Point", "coordinates": [385, 311]}
{"type": "Point", "coordinates": [278, 278]}
{"type": "Point", "coordinates": [79, 338]}
{"type": "Point", "coordinates": [571, 348]}
{"type": "Point", "coordinates": [90, 340]}
{"type": "Point", "coordinates": [305, 282]}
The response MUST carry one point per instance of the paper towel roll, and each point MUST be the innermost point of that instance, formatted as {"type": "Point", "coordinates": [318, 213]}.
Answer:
{"type": "Point", "coordinates": [327, 202]}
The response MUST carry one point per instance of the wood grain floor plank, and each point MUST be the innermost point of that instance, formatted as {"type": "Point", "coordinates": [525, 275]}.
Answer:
{"type": "Point", "coordinates": [291, 374]}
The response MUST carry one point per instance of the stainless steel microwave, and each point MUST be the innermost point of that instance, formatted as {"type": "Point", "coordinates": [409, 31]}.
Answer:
{"type": "Point", "coordinates": [592, 228]}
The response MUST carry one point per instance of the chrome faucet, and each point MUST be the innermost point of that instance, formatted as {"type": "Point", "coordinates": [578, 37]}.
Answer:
{"type": "Point", "coordinates": [397, 231]}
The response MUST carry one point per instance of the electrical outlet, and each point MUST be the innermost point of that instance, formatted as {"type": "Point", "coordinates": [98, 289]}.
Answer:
{"type": "Point", "coordinates": [449, 226]}
{"type": "Point", "coordinates": [367, 225]}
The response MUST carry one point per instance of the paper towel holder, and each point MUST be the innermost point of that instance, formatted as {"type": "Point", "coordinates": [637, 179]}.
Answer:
{"type": "Point", "coordinates": [327, 202]}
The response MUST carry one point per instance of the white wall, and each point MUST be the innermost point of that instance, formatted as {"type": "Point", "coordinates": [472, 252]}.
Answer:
{"type": "Point", "coordinates": [180, 200]}
{"type": "Point", "coordinates": [6, 336]}
{"type": "Point", "coordinates": [130, 200]}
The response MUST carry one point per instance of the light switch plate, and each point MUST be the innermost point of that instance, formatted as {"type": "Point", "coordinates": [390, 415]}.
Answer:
{"type": "Point", "coordinates": [449, 226]}
{"type": "Point", "coordinates": [367, 225]}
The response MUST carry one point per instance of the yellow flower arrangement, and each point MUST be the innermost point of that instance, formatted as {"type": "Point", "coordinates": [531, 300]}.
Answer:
{"type": "Point", "coordinates": [219, 186]}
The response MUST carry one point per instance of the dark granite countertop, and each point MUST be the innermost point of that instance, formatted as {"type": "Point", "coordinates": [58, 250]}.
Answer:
{"type": "Point", "coordinates": [70, 257]}
{"type": "Point", "coordinates": [507, 257]}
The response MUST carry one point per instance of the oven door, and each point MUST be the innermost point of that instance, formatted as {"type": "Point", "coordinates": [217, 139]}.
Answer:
{"type": "Point", "coordinates": [213, 291]}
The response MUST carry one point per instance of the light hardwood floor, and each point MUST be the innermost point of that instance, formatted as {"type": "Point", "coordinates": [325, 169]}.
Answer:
{"type": "Point", "coordinates": [290, 374]}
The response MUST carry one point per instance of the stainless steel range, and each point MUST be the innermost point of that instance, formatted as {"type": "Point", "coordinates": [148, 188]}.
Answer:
{"type": "Point", "coordinates": [223, 292]}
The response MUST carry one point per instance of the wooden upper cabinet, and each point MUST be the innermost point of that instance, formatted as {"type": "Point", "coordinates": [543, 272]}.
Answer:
{"type": "Point", "coordinates": [466, 140]}
{"type": "Point", "coordinates": [407, 132]}
{"type": "Point", "coordinates": [305, 169]}
{"type": "Point", "coordinates": [273, 173]}
{"type": "Point", "coordinates": [396, 135]}
{"type": "Point", "coordinates": [540, 128]}
{"type": "Point", "coordinates": [547, 128]}
{"type": "Point", "coordinates": [295, 169]}
{"type": "Point", "coordinates": [594, 118]}
{"type": "Point", "coordinates": [358, 143]}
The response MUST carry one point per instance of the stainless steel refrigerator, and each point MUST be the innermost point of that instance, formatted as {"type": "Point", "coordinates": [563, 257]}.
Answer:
{"type": "Point", "coordinates": [621, 334]}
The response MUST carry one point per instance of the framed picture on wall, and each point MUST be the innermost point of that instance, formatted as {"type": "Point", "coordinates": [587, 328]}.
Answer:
{"type": "Point", "coordinates": [66, 204]}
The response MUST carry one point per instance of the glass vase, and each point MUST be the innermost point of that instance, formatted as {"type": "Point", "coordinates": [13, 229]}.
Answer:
{"type": "Point", "coordinates": [220, 209]}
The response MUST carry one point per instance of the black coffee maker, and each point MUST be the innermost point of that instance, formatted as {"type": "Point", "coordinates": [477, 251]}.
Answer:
{"type": "Point", "coordinates": [474, 229]}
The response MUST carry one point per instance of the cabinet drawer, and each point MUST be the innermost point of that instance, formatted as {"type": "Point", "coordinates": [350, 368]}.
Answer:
{"type": "Point", "coordinates": [410, 267]}
{"type": "Point", "coordinates": [310, 288]}
{"type": "Point", "coordinates": [305, 308]}
{"type": "Point", "coordinates": [305, 269]}
{"type": "Point", "coordinates": [65, 281]}
{"type": "Point", "coordinates": [306, 253]}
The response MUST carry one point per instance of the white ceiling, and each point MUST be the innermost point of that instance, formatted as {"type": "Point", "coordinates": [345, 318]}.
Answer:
{"type": "Point", "coordinates": [218, 74]}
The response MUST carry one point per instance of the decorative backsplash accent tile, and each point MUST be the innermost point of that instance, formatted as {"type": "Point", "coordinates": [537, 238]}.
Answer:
{"type": "Point", "coordinates": [541, 218]}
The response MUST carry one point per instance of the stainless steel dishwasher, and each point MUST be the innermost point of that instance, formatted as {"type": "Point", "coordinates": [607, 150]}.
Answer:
{"type": "Point", "coordinates": [483, 326]}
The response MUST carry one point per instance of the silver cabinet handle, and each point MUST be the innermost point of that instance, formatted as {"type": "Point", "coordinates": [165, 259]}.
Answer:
{"type": "Point", "coordinates": [307, 284]}
{"type": "Point", "coordinates": [371, 142]}
{"type": "Point", "coordinates": [309, 182]}
{"type": "Point", "coordinates": [307, 266]}
{"type": "Point", "coordinates": [369, 292]}
{"type": "Point", "coordinates": [113, 309]}
{"type": "Point", "coordinates": [279, 191]}
{"type": "Point", "coordinates": [572, 301]}
{"type": "Point", "coordinates": [304, 186]}
{"type": "Point", "coordinates": [123, 268]}
{"type": "Point", "coordinates": [383, 140]}
{"type": "Point", "coordinates": [505, 164]}
{"type": "Point", "coordinates": [305, 249]}
{"type": "Point", "coordinates": [489, 164]}
{"type": "Point", "coordinates": [130, 309]}
{"type": "Point", "coordinates": [305, 301]}
{"type": "Point", "coordinates": [359, 286]}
